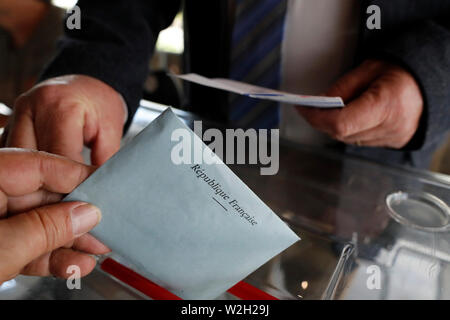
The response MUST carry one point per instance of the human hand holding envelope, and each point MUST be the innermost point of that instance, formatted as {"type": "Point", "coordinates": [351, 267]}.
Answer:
{"type": "Point", "coordinates": [253, 91]}
{"type": "Point", "coordinates": [194, 229]}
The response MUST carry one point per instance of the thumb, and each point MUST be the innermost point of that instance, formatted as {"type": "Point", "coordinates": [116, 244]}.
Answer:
{"type": "Point", "coordinates": [352, 84]}
{"type": "Point", "coordinates": [29, 235]}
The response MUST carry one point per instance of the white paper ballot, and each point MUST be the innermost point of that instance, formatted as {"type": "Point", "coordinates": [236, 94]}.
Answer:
{"type": "Point", "coordinates": [194, 229]}
{"type": "Point", "coordinates": [263, 93]}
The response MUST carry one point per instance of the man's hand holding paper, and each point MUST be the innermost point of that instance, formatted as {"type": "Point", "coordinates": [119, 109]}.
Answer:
{"type": "Point", "coordinates": [38, 235]}
{"type": "Point", "coordinates": [384, 107]}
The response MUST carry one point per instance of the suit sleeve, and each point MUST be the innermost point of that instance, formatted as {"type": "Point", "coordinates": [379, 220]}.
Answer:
{"type": "Point", "coordinates": [423, 48]}
{"type": "Point", "coordinates": [114, 44]}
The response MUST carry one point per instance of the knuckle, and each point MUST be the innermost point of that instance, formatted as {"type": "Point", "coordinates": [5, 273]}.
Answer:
{"type": "Point", "coordinates": [378, 95]}
{"type": "Point", "coordinates": [39, 96]}
{"type": "Point", "coordinates": [373, 96]}
{"type": "Point", "coordinates": [340, 129]}
{"type": "Point", "coordinates": [379, 101]}
{"type": "Point", "coordinates": [48, 231]}
{"type": "Point", "coordinates": [68, 110]}
{"type": "Point", "coordinates": [46, 92]}
{"type": "Point", "coordinates": [52, 96]}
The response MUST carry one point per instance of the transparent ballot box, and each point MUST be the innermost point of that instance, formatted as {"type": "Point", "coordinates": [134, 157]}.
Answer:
{"type": "Point", "coordinates": [368, 231]}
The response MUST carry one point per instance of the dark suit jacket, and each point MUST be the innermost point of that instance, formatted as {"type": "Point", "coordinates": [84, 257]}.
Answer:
{"type": "Point", "coordinates": [118, 37]}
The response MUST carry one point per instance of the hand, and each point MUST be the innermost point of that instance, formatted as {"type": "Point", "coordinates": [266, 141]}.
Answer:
{"type": "Point", "coordinates": [38, 237]}
{"type": "Point", "coordinates": [62, 114]}
{"type": "Point", "coordinates": [384, 106]}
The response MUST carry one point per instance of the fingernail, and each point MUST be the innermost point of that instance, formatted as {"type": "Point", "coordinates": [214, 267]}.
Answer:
{"type": "Point", "coordinates": [84, 218]}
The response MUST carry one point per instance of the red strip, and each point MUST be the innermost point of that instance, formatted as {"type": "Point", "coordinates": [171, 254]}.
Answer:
{"type": "Point", "coordinates": [137, 281]}
{"type": "Point", "coordinates": [241, 290]}
{"type": "Point", "coordinates": [246, 291]}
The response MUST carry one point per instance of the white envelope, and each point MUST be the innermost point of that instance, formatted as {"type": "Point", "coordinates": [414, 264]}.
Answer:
{"type": "Point", "coordinates": [175, 226]}
{"type": "Point", "coordinates": [253, 91]}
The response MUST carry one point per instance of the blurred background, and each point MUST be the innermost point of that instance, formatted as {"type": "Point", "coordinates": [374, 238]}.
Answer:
{"type": "Point", "coordinates": [29, 30]}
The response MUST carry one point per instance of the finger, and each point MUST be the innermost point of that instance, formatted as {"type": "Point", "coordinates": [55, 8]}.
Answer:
{"type": "Point", "coordinates": [377, 133]}
{"type": "Point", "coordinates": [388, 141]}
{"type": "Point", "coordinates": [380, 136]}
{"type": "Point", "coordinates": [89, 244]}
{"type": "Point", "coordinates": [62, 259]}
{"type": "Point", "coordinates": [106, 144]}
{"type": "Point", "coordinates": [21, 131]}
{"type": "Point", "coordinates": [323, 120]}
{"type": "Point", "coordinates": [61, 132]}
{"type": "Point", "coordinates": [383, 143]}
{"type": "Point", "coordinates": [30, 235]}
{"type": "Point", "coordinates": [37, 267]}
{"type": "Point", "coordinates": [366, 112]}
{"type": "Point", "coordinates": [32, 200]}
{"type": "Point", "coordinates": [353, 83]}
{"type": "Point", "coordinates": [23, 172]}
{"type": "Point", "coordinates": [57, 263]}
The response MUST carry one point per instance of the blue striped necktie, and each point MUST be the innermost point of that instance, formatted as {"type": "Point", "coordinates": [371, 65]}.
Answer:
{"type": "Point", "coordinates": [256, 59]}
